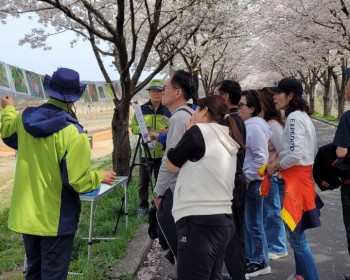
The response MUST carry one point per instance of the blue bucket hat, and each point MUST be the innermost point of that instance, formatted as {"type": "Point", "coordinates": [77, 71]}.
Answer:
{"type": "Point", "coordinates": [64, 85]}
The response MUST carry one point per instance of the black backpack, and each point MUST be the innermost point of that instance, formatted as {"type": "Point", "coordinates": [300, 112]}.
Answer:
{"type": "Point", "coordinates": [328, 171]}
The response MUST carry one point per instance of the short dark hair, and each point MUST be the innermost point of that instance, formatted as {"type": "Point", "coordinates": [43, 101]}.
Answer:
{"type": "Point", "coordinates": [232, 88]}
{"type": "Point", "coordinates": [253, 100]}
{"type": "Point", "coordinates": [183, 80]}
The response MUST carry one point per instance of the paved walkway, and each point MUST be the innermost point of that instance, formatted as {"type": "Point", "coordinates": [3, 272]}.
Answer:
{"type": "Point", "coordinates": [328, 242]}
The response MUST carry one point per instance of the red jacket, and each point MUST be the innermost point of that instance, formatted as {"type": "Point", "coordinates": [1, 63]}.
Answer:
{"type": "Point", "coordinates": [299, 210]}
{"type": "Point", "coordinates": [301, 204]}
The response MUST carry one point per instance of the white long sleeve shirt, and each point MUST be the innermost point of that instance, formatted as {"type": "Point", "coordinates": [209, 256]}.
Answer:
{"type": "Point", "coordinates": [299, 141]}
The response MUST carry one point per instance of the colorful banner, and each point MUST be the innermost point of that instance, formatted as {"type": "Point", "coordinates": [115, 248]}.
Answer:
{"type": "Point", "coordinates": [18, 80]}
{"type": "Point", "coordinates": [35, 85]}
{"type": "Point", "coordinates": [101, 92]}
{"type": "Point", "coordinates": [86, 95]}
{"type": "Point", "coordinates": [4, 81]}
{"type": "Point", "coordinates": [93, 92]}
{"type": "Point", "coordinates": [109, 91]}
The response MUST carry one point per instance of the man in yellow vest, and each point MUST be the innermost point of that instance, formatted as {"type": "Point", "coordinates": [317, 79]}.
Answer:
{"type": "Point", "coordinates": [156, 118]}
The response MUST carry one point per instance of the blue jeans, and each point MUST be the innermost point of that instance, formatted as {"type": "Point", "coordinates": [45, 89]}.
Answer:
{"type": "Point", "coordinates": [273, 223]}
{"type": "Point", "coordinates": [304, 261]}
{"type": "Point", "coordinates": [256, 249]}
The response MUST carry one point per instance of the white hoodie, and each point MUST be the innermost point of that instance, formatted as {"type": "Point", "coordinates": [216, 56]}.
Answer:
{"type": "Point", "coordinates": [257, 152]}
{"type": "Point", "coordinates": [205, 187]}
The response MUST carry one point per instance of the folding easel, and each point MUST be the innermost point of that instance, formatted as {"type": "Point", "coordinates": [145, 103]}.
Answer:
{"type": "Point", "coordinates": [148, 164]}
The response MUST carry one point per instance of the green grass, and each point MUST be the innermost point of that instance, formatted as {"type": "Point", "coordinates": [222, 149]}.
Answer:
{"type": "Point", "coordinates": [330, 119]}
{"type": "Point", "coordinates": [104, 253]}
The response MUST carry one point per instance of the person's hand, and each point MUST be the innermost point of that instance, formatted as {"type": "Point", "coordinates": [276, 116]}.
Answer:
{"type": "Point", "coordinates": [7, 100]}
{"type": "Point", "coordinates": [271, 169]}
{"type": "Point", "coordinates": [109, 176]}
{"type": "Point", "coordinates": [153, 135]}
{"type": "Point", "coordinates": [163, 131]}
{"type": "Point", "coordinates": [157, 201]}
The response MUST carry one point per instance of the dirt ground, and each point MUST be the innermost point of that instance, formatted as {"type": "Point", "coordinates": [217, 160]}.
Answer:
{"type": "Point", "coordinates": [99, 128]}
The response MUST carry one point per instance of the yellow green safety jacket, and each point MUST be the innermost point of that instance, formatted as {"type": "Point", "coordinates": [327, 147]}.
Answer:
{"type": "Point", "coordinates": [156, 120]}
{"type": "Point", "coordinates": [53, 167]}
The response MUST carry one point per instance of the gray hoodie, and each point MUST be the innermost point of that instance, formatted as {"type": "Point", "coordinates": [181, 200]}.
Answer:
{"type": "Point", "coordinates": [257, 153]}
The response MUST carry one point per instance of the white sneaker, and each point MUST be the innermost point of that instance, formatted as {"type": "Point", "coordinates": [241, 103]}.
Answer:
{"type": "Point", "coordinates": [273, 256]}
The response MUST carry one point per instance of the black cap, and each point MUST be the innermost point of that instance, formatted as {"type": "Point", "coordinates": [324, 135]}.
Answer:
{"type": "Point", "coordinates": [289, 85]}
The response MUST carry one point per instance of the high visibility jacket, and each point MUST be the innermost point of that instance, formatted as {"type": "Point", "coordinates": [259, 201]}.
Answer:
{"type": "Point", "coordinates": [53, 167]}
{"type": "Point", "coordinates": [155, 120]}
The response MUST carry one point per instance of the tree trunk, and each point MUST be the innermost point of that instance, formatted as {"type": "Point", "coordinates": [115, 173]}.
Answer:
{"type": "Point", "coordinates": [341, 105]}
{"type": "Point", "coordinates": [120, 133]}
{"type": "Point", "coordinates": [327, 100]}
{"type": "Point", "coordinates": [195, 78]}
{"type": "Point", "coordinates": [327, 104]}
{"type": "Point", "coordinates": [312, 97]}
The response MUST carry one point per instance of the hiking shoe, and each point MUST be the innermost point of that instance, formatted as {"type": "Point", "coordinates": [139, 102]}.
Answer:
{"type": "Point", "coordinates": [273, 256]}
{"type": "Point", "coordinates": [255, 269]}
{"type": "Point", "coordinates": [142, 212]}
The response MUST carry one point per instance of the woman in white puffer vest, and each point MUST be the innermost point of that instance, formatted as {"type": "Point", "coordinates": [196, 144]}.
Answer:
{"type": "Point", "coordinates": [205, 158]}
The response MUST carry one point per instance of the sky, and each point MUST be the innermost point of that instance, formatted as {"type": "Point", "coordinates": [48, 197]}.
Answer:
{"type": "Point", "coordinates": [79, 58]}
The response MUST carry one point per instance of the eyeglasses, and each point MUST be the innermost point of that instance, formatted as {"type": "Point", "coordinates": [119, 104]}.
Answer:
{"type": "Point", "coordinates": [240, 105]}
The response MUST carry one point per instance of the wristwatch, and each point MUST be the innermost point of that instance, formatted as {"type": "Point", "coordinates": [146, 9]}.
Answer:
{"type": "Point", "coordinates": [156, 195]}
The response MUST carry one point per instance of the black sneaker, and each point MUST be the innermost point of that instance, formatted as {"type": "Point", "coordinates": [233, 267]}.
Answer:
{"type": "Point", "coordinates": [347, 277]}
{"type": "Point", "coordinates": [255, 269]}
{"type": "Point", "coordinates": [226, 277]}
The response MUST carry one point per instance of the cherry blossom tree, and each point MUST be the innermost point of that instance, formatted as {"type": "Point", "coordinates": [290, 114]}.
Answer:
{"type": "Point", "coordinates": [135, 34]}
{"type": "Point", "coordinates": [307, 39]}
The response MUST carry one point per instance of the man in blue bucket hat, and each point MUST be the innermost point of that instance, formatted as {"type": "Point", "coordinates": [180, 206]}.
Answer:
{"type": "Point", "coordinates": [53, 167]}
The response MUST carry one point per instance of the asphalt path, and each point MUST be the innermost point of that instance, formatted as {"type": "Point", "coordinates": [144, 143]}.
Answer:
{"type": "Point", "coordinates": [328, 242]}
